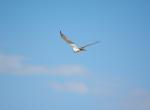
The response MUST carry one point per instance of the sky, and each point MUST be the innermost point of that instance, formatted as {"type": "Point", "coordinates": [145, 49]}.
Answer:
{"type": "Point", "coordinates": [38, 71]}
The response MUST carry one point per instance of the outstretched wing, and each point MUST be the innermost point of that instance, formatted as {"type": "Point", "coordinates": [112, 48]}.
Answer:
{"type": "Point", "coordinates": [71, 44]}
{"type": "Point", "coordinates": [65, 38]}
{"type": "Point", "coordinates": [89, 44]}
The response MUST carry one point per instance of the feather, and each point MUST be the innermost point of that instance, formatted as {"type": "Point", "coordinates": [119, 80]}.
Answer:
{"type": "Point", "coordinates": [65, 38]}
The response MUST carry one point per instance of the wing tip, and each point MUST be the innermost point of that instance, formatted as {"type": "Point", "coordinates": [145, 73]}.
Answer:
{"type": "Point", "coordinates": [61, 33]}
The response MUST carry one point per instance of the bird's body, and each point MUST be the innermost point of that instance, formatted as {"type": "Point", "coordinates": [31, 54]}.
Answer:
{"type": "Point", "coordinates": [75, 48]}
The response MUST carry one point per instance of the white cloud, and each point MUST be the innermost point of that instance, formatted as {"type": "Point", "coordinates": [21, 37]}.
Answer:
{"type": "Point", "coordinates": [10, 63]}
{"type": "Point", "coordinates": [76, 87]}
{"type": "Point", "coordinates": [69, 70]}
{"type": "Point", "coordinates": [15, 64]}
{"type": "Point", "coordinates": [138, 99]}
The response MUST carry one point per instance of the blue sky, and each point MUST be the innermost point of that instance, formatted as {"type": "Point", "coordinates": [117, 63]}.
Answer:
{"type": "Point", "coordinates": [39, 71]}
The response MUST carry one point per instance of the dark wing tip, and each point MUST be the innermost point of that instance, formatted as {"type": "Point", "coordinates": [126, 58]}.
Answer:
{"type": "Point", "coordinates": [61, 33]}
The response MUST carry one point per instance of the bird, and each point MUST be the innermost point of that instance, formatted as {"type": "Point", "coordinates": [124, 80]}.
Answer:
{"type": "Point", "coordinates": [74, 47]}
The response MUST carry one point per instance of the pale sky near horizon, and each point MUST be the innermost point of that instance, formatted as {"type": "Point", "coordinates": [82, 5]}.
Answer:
{"type": "Point", "coordinates": [38, 71]}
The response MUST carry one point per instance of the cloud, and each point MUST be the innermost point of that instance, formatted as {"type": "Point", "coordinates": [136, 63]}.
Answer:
{"type": "Point", "coordinates": [76, 87]}
{"type": "Point", "coordinates": [138, 99]}
{"type": "Point", "coordinates": [10, 63]}
{"type": "Point", "coordinates": [70, 70]}
{"type": "Point", "coordinates": [15, 64]}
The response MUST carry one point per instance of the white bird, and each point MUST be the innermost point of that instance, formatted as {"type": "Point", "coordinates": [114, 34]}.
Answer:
{"type": "Point", "coordinates": [75, 48]}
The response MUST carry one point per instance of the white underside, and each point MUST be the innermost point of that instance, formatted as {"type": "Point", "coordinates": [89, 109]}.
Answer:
{"type": "Point", "coordinates": [75, 48]}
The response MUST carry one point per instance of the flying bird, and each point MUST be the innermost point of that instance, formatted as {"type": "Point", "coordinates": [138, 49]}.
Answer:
{"type": "Point", "coordinates": [75, 48]}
